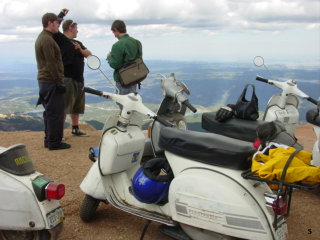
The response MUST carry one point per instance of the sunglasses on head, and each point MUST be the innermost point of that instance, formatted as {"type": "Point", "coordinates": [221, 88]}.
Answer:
{"type": "Point", "coordinates": [72, 23]}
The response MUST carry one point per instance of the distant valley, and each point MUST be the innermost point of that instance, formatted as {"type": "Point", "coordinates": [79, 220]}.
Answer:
{"type": "Point", "coordinates": [211, 85]}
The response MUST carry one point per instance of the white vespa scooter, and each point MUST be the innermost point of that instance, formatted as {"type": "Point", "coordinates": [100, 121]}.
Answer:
{"type": "Point", "coordinates": [313, 117]}
{"type": "Point", "coordinates": [281, 107]}
{"type": "Point", "coordinates": [207, 196]}
{"type": "Point", "coordinates": [29, 200]}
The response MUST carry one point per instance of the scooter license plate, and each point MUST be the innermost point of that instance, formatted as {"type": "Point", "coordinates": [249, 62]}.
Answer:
{"type": "Point", "coordinates": [55, 217]}
{"type": "Point", "coordinates": [282, 232]}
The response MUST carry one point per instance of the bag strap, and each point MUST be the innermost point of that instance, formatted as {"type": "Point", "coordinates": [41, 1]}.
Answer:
{"type": "Point", "coordinates": [139, 56]}
{"type": "Point", "coordinates": [244, 92]}
{"type": "Point", "coordinates": [139, 49]}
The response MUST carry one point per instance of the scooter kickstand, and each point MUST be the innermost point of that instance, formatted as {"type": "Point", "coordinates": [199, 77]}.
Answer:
{"type": "Point", "coordinates": [174, 232]}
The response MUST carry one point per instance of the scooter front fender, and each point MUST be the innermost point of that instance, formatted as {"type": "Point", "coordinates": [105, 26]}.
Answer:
{"type": "Point", "coordinates": [92, 183]}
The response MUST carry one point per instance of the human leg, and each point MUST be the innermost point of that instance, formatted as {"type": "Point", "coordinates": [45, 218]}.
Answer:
{"type": "Point", "coordinates": [53, 103]}
{"type": "Point", "coordinates": [78, 108]}
{"type": "Point", "coordinates": [125, 90]}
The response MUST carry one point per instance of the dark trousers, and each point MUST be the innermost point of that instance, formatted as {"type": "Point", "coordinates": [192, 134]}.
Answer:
{"type": "Point", "coordinates": [51, 96]}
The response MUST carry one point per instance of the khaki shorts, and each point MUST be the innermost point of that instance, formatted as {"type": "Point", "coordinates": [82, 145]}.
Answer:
{"type": "Point", "coordinates": [74, 97]}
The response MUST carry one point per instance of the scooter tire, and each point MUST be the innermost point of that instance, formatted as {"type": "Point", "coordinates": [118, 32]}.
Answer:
{"type": "Point", "coordinates": [24, 235]}
{"type": "Point", "coordinates": [88, 208]}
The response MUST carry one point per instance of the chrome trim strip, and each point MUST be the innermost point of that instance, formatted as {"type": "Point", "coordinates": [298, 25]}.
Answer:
{"type": "Point", "coordinates": [153, 216]}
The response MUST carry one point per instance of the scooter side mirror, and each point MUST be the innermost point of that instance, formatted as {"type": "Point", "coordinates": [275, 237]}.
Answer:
{"type": "Point", "coordinates": [93, 62]}
{"type": "Point", "coordinates": [258, 61]}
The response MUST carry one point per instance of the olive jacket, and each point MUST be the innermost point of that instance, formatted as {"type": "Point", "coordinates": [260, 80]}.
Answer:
{"type": "Point", "coordinates": [49, 60]}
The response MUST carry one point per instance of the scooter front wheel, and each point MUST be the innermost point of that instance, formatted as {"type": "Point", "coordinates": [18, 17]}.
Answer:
{"type": "Point", "coordinates": [88, 208]}
{"type": "Point", "coordinates": [24, 235]}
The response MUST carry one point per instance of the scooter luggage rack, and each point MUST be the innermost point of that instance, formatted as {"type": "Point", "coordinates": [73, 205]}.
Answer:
{"type": "Point", "coordinates": [298, 185]}
{"type": "Point", "coordinates": [284, 189]}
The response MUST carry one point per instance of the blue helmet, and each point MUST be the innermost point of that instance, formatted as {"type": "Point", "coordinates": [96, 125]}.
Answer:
{"type": "Point", "coordinates": [151, 182]}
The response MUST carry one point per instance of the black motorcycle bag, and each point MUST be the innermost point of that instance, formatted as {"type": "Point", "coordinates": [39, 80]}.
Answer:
{"type": "Point", "coordinates": [247, 109]}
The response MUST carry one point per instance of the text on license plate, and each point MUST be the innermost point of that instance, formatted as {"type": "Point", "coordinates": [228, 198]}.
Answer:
{"type": "Point", "coordinates": [282, 232]}
{"type": "Point", "coordinates": [55, 217]}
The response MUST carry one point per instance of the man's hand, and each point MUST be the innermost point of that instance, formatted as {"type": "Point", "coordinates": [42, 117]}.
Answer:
{"type": "Point", "coordinates": [76, 46]}
{"type": "Point", "coordinates": [65, 11]}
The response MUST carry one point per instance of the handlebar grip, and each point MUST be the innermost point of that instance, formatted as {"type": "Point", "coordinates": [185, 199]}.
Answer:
{"type": "Point", "coordinates": [163, 121]}
{"type": "Point", "coordinates": [310, 99]}
{"type": "Point", "coordinates": [93, 91]}
{"type": "Point", "coordinates": [261, 79]}
{"type": "Point", "coordinates": [192, 108]}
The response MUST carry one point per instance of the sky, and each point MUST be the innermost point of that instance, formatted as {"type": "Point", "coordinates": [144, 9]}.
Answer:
{"type": "Point", "coordinates": [282, 31]}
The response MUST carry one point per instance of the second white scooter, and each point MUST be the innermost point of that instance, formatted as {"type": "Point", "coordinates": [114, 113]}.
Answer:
{"type": "Point", "coordinates": [197, 186]}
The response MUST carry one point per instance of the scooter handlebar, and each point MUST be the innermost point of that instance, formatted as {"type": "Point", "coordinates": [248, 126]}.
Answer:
{"type": "Point", "coordinates": [163, 121]}
{"type": "Point", "coordinates": [187, 104]}
{"type": "Point", "coordinates": [314, 101]}
{"type": "Point", "coordinates": [261, 79]}
{"type": "Point", "coordinates": [93, 91]}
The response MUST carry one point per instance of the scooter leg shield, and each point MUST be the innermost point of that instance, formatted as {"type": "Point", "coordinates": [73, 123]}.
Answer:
{"type": "Point", "coordinates": [92, 183]}
{"type": "Point", "coordinates": [316, 148]}
{"type": "Point", "coordinates": [212, 200]}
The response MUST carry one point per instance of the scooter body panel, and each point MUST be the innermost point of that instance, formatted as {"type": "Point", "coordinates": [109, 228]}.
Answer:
{"type": "Point", "coordinates": [92, 183]}
{"type": "Point", "coordinates": [316, 147]}
{"type": "Point", "coordinates": [220, 200]}
{"type": "Point", "coordinates": [288, 115]}
{"type": "Point", "coordinates": [21, 208]}
{"type": "Point", "coordinates": [119, 150]}
{"type": "Point", "coordinates": [119, 184]}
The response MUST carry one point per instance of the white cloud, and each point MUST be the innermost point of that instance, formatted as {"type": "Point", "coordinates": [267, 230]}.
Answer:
{"type": "Point", "coordinates": [189, 20]}
{"type": "Point", "coordinates": [313, 26]}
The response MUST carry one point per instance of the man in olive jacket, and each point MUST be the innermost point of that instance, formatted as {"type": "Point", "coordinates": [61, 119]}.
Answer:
{"type": "Point", "coordinates": [125, 50]}
{"type": "Point", "coordinates": [50, 80]}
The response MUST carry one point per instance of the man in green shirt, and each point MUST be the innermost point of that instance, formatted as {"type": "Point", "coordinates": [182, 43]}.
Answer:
{"type": "Point", "coordinates": [125, 50]}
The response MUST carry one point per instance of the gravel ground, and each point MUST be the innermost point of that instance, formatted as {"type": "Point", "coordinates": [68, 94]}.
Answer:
{"type": "Point", "coordinates": [71, 165]}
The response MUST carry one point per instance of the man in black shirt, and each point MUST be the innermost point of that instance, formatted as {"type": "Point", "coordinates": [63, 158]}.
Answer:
{"type": "Point", "coordinates": [73, 53]}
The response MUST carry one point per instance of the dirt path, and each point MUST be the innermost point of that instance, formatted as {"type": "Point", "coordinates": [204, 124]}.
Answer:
{"type": "Point", "coordinates": [70, 166]}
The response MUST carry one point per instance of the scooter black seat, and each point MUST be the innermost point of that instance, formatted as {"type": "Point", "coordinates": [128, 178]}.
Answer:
{"type": "Point", "coordinates": [15, 160]}
{"type": "Point", "coordinates": [207, 148]}
{"type": "Point", "coordinates": [313, 117]}
{"type": "Point", "coordinates": [235, 128]}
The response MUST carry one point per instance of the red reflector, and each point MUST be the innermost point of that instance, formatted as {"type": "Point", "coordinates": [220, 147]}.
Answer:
{"type": "Point", "coordinates": [282, 208]}
{"type": "Point", "coordinates": [55, 190]}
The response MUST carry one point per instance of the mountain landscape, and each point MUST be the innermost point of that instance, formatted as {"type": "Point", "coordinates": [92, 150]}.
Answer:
{"type": "Point", "coordinates": [211, 85]}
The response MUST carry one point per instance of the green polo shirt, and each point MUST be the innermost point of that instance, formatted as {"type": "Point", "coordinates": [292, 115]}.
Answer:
{"type": "Point", "coordinates": [125, 50]}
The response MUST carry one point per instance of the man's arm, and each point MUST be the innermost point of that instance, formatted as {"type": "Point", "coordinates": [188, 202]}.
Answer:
{"type": "Point", "coordinates": [63, 13]}
{"type": "Point", "coordinates": [115, 58]}
{"type": "Point", "coordinates": [82, 49]}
